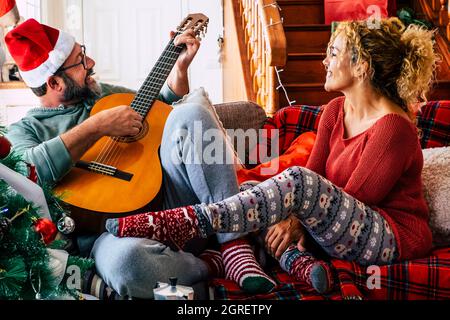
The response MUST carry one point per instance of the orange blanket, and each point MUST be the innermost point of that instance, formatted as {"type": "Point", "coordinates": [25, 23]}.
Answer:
{"type": "Point", "coordinates": [296, 155]}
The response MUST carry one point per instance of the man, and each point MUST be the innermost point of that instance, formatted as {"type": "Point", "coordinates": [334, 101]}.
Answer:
{"type": "Point", "coordinates": [56, 135]}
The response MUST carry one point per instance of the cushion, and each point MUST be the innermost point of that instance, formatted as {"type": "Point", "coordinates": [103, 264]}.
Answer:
{"type": "Point", "coordinates": [436, 181]}
{"type": "Point", "coordinates": [241, 115]}
{"type": "Point", "coordinates": [245, 116]}
{"type": "Point", "coordinates": [434, 122]}
{"type": "Point", "coordinates": [292, 122]}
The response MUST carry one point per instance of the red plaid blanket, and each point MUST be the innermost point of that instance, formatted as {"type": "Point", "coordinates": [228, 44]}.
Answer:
{"type": "Point", "coordinates": [422, 279]}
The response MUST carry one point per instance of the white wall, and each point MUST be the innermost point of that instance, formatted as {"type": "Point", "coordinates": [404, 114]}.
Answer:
{"type": "Point", "coordinates": [126, 39]}
{"type": "Point", "coordinates": [206, 69]}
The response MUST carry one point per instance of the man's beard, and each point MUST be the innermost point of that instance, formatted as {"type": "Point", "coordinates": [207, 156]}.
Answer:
{"type": "Point", "coordinates": [75, 92]}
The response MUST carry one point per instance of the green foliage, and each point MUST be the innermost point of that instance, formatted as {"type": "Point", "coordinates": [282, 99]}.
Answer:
{"type": "Point", "coordinates": [13, 275]}
{"type": "Point", "coordinates": [82, 263]}
{"type": "Point", "coordinates": [24, 259]}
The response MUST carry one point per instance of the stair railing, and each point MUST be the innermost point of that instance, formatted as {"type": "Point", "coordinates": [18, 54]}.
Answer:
{"type": "Point", "coordinates": [266, 48]}
{"type": "Point", "coordinates": [438, 12]}
{"type": "Point", "coordinates": [444, 17]}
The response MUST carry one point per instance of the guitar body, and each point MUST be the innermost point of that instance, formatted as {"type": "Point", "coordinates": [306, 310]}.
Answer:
{"type": "Point", "coordinates": [109, 196]}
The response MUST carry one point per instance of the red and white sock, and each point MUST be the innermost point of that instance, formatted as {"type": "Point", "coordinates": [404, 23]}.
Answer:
{"type": "Point", "coordinates": [215, 263]}
{"type": "Point", "coordinates": [241, 266]}
{"type": "Point", "coordinates": [173, 227]}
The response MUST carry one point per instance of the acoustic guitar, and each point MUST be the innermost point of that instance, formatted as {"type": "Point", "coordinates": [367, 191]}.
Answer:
{"type": "Point", "coordinates": [119, 176]}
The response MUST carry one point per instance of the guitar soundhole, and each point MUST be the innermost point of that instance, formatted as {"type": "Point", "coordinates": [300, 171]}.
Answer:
{"type": "Point", "coordinates": [144, 131]}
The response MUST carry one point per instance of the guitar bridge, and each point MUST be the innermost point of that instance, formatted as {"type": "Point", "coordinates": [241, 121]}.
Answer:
{"type": "Point", "coordinates": [104, 169]}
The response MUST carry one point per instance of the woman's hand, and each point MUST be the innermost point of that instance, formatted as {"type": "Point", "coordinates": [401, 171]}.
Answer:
{"type": "Point", "coordinates": [282, 235]}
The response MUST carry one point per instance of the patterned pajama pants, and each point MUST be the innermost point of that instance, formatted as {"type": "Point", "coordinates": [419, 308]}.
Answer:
{"type": "Point", "coordinates": [344, 227]}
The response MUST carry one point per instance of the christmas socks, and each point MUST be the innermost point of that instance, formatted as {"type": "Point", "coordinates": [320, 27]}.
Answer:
{"type": "Point", "coordinates": [305, 268]}
{"type": "Point", "coordinates": [343, 226]}
{"type": "Point", "coordinates": [214, 261]}
{"type": "Point", "coordinates": [241, 266]}
{"type": "Point", "coordinates": [174, 227]}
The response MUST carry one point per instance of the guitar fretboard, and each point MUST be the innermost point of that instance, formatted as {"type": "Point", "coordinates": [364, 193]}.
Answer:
{"type": "Point", "coordinates": [149, 91]}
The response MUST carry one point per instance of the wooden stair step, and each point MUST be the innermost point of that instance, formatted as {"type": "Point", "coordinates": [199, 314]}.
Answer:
{"type": "Point", "coordinates": [440, 90]}
{"type": "Point", "coordinates": [302, 11]}
{"type": "Point", "coordinates": [307, 38]}
{"type": "Point", "coordinates": [304, 68]}
{"type": "Point", "coordinates": [312, 94]}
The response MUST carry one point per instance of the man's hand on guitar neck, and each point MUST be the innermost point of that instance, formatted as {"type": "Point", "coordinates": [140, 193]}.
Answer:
{"type": "Point", "coordinates": [178, 79]}
{"type": "Point", "coordinates": [121, 121]}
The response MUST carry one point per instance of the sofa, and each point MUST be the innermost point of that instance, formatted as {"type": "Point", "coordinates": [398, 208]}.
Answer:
{"type": "Point", "coordinates": [426, 278]}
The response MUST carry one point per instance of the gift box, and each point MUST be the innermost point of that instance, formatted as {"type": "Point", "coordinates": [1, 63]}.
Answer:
{"type": "Point", "coordinates": [341, 10]}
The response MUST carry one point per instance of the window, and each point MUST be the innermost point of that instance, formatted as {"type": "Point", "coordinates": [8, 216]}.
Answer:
{"type": "Point", "coordinates": [29, 9]}
{"type": "Point", "coordinates": [15, 101]}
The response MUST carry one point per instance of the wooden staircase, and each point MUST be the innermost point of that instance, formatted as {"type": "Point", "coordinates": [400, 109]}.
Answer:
{"type": "Point", "coordinates": [307, 39]}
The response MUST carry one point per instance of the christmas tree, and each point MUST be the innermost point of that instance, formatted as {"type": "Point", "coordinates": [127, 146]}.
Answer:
{"type": "Point", "coordinates": [32, 264]}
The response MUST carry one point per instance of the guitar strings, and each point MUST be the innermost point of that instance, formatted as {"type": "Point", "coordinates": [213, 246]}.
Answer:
{"type": "Point", "coordinates": [105, 155]}
{"type": "Point", "coordinates": [111, 151]}
{"type": "Point", "coordinates": [116, 151]}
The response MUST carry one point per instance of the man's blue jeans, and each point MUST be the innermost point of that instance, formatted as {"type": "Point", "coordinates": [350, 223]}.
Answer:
{"type": "Point", "coordinates": [133, 266]}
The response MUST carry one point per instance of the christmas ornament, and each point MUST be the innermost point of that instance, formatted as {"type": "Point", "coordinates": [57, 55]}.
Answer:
{"type": "Point", "coordinates": [5, 147]}
{"type": "Point", "coordinates": [47, 229]}
{"type": "Point", "coordinates": [66, 225]}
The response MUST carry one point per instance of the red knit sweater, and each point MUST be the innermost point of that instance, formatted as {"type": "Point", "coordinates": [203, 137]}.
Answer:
{"type": "Point", "coordinates": [381, 167]}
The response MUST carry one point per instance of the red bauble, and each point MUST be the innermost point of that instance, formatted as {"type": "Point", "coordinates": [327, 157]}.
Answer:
{"type": "Point", "coordinates": [47, 229]}
{"type": "Point", "coordinates": [5, 147]}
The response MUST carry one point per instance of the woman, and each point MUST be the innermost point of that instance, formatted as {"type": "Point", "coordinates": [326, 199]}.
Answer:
{"type": "Point", "coordinates": [360, 196]}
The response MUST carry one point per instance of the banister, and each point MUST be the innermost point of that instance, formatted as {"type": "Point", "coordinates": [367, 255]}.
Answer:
{"type": "Point", "coordinates": [265, 43]}
{"type": "Point", "coordinates": [275, 33]}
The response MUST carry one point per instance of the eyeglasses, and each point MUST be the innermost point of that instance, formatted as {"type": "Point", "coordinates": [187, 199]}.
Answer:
{"type": "Point", "coordinates": [82, 62]}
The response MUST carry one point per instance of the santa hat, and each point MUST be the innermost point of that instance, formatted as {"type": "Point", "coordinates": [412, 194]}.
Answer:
{"type": "Point", "coordinates": [38, 50]}
{"type": "Point", "coordinates": [9, 14]}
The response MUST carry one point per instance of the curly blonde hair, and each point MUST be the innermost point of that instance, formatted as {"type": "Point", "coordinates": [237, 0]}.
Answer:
{"type": "Point", "coordinates": [402, 61]}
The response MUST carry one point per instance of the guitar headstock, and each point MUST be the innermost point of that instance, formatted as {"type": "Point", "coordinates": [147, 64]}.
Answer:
{"type": "Point", "coordinates": [195, 21]}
